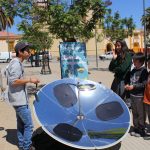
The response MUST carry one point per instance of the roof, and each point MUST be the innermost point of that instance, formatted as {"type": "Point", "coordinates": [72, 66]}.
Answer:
{"type": "Point", "coordinates": [5, 35]}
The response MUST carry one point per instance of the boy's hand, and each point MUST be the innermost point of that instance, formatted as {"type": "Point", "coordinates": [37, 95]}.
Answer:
{"type": "Point", "coordinates": [129, 87]}
{"type": "Point", "coordinates": [34, 80]}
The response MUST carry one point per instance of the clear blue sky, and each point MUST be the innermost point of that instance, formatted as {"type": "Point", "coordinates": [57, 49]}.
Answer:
{"type": "Point", "coordinates": [126, 8]}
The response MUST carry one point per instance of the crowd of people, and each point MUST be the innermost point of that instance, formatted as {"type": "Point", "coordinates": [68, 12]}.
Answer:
{"type": "Point", "coordinates": [132, 81]}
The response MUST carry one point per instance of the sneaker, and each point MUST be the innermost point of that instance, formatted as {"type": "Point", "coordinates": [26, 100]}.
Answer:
{"type": "Point", "coordinates": [137, 135]}
{"type": "Point", "coordinates": [132, 133]}
{"type": "Point", "coordinates": [147, 137]}
{"type": "Point", "coordinates": [147, 131]}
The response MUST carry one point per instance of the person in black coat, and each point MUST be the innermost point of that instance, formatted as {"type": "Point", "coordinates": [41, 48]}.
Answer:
{"type": "Point", "coordinates": [120, 65]}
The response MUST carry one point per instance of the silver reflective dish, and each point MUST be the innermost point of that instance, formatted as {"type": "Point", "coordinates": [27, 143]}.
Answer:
{"type": "Point", "coordinates": [82, 114]}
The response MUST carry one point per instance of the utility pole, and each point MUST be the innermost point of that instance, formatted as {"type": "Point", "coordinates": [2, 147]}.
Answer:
{"type": "Point", "coordinates": [96, 47]}
{"type": "Point", "coordinates": [145, 46]}
{"type": "Point", "coordinates": [8, 41]}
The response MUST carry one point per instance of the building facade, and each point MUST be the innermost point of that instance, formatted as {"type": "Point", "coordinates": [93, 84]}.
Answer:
{"type": "Point", "coordinates": [93, 46]}
{"type": "Point", "coordinates": [8, 41]}
{"type": "Point", "coordinates": [100, 46]}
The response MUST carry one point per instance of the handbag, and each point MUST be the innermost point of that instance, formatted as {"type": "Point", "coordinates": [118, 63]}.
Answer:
{"type": "Point", "coordinates": [4, 91]}
{"type": "Point", "coordinates": [4, 95]}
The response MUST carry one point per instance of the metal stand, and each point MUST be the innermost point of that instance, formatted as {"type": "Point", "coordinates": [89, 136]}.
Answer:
{"type": "Point", "coordinates": [80, 116]}
{"type": "Point", "coordinates": [45, 65]}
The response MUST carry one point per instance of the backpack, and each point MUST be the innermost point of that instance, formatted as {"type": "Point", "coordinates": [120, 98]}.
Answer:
{"type": "Point", "coordinates": [4, 90]}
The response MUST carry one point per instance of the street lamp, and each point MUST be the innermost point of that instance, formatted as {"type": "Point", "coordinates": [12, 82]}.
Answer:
{"type": "Point", "coordinates": [145, 46]}
{"type": "Point", "coordinates": [96, 48]}
{"type": "Point", "coordinates": [8, 41]}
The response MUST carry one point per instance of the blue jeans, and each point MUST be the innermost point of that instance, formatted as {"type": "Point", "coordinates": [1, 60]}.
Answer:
{"type": "Point", "coordinates": [24, 126]}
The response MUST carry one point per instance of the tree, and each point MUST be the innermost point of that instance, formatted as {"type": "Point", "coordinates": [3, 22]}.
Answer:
{"type": "Point", "coordinates": [12, 8]}
{"type": "Point", "coordinates": [19, 8]}
{"type": "Point", "coordinates": [117, 28]}
{"type": "Point", "coordinates": [146, 21]}
{"type": "Point", "coordinates": [75, 23]}
{"type": "Point", "coordinates": [41, 40]}
{"type": "Point", "coordinates": [5, 18]}
{"type": "Point", "coordinates": [32, 31]}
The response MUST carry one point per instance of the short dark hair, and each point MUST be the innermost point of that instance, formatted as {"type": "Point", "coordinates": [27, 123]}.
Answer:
{"type": "Point", "coordinates": [139, 56]}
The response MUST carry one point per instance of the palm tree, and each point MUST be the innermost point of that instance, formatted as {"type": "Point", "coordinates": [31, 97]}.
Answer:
{"type": "Point", "coordinates": [5, 20]}
{"type": "Point", "coordinates": [130, 26]}
{"type": "Point", "coordinates": [147, 19]}
{"type": "Point", "coordinates": [146, 22]}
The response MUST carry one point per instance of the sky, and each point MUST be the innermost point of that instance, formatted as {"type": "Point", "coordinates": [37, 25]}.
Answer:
{"type": "Point", "coordinates": [130, 8]}
{"type": "Point", "coordinates": [126, 8]}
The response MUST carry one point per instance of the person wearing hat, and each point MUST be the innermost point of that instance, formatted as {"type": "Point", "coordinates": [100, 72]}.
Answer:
{"type": "Point", "coordinates": [18, 96]}
{"type": "Point", "coordinates": [147, 96]}
{"type": "Point", "coordinates": [135, 83]}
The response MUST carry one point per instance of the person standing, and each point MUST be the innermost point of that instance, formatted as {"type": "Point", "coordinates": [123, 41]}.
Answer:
{"type": "Point", "coordinates": [147, 96]}
{"type": "Point", "coordinates": [18, 96]}
{"type": "Point", "coordinates": [120, 65]}
{"type": "Point", "coordinates": [135, 83]}
{"type": "Point", "coordinates": [31, 58]}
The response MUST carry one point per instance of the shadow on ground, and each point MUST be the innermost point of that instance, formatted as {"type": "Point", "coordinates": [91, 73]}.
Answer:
{"type": "Point", "coordinates": [11, 136]}
{"type": "Point", "coordinates": [98, 69]}
{"type": "Point", "coordinates": [42, 141]}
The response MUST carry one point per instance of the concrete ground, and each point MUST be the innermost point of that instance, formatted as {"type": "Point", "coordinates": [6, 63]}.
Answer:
{"type": "Point", "coordinates": [8, 140]}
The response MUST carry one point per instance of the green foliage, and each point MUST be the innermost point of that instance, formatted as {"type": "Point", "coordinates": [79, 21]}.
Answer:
{"type": "Point", "coordinates": [6, 16]}
{"type": "Point", "coordinates": [146, 21]}
{"type": "Point", "coordinates": [20, 8]}
{"type": "Point", "coordinates": [78, 22]}
{"type": "Point", "coordinates": [14, 8]}
{"type": "Point", "coordinates": [41, 40]}
{"type": "Point", "coordinates": [117, 28]}
{"type": "Point", "coordinates": [71, 24]}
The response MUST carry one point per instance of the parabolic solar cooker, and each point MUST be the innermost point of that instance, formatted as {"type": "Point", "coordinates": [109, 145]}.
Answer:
{"type": "Point", "coordinates": [82, 114]}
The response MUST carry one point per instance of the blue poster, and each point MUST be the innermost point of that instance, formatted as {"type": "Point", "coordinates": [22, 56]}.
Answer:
{"type": "Point", "coordinates": [73, 60]}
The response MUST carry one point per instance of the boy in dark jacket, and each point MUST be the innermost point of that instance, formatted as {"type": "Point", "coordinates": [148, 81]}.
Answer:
{"type": "Point", "coordinates": [135, 83]}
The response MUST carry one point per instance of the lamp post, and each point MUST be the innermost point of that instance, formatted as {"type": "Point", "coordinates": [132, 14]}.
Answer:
{"type": "Point", "coordinates": [145, 46]}
{"type": "Point", "coordinates": [8, 41]}
{"type": "Point", "coordinates": [96, 48]}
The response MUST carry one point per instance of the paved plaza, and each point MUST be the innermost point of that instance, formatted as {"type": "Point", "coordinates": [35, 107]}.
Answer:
{"type": "Point", "coordinates": [8, 139]}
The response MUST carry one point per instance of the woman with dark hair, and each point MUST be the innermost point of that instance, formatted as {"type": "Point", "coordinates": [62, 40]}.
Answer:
{"type": "Point", "coordinates": [120, 65]}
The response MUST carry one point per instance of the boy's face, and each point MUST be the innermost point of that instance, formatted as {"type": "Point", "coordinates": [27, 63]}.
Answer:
{"type": "Point", "coordinates": [25, 54]}
{"type": "Point", "coordinates": [137, 63]}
